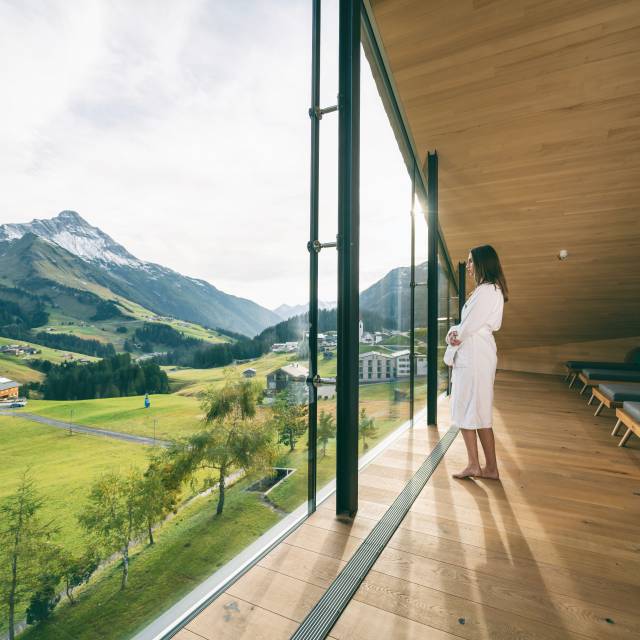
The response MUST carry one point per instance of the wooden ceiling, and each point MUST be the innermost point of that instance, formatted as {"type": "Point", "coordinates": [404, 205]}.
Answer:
{"type": "Point", "coordinates": [534, 108]}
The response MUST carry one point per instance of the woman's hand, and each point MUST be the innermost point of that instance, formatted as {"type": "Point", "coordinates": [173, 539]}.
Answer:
{"type": "Point", "coordinates": [453, 339]}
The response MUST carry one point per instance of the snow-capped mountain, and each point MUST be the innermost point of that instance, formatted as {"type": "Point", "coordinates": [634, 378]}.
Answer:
{"type": "Point", "coordinates": [73, 233]}
{"type": "Point", "coordinates": [81, 253]}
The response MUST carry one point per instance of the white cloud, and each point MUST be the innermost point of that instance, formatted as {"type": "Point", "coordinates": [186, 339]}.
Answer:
{"type": "Point", "coordinates": [181, 129]}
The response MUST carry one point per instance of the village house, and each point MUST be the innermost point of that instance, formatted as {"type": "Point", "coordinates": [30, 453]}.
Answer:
{"type": "Point", "coordinates": [249, 373]}
{"type": "Point", "coordinates": [284, 347]}
{"type": "Point", "coordinates": [291, 378]}
{"type": "Point", "coordinates": [9, 389]}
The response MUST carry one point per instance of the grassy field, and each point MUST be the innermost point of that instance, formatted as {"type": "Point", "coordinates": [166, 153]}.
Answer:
{"type": "Point", "coordinates": [54, 355]}
{"type": "Point", "coordinates": [174, 415]}
{"type": "Point", "coordinates": [190, 382]}
{"type": "Point", "coordinates": [15, 369]}
{"type": "Point", "coordinates": [62, 467]}
{"type": "Point", "coordinates": [106, 330]}
{"type": "Point", "coordinates": [190, 546]}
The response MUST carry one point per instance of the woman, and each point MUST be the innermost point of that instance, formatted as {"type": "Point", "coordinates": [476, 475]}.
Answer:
{"type": "Point", "coordinates": [474, 361]}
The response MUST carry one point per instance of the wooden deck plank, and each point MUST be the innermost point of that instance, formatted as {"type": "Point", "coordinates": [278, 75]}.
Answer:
{"type": "Point", "coordinates": [231, 618]}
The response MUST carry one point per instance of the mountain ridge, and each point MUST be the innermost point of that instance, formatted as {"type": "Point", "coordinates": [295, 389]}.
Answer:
{"type": "Point", "coordinates": [92, 258]}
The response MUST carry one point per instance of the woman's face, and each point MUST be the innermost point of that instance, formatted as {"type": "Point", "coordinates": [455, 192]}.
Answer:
{"type": "Point", "coordinates": [470, 265]}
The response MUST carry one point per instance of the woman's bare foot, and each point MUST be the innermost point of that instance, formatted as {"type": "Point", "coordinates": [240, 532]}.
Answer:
{"type": "Point", "coordinates": [469, 472]}
{"type": "Point", "coordinates": [490, 474]}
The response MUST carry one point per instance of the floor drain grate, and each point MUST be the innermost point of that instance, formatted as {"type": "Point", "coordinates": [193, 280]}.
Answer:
{"type": "Point", "coordinates": [326, 612]}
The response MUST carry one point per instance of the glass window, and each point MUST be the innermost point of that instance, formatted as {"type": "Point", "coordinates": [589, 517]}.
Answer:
{"type": "Point", "coordinates": [181, 138]}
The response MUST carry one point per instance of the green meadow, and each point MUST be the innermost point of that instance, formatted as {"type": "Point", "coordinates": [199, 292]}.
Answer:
{"type": "Point", "coordinates": [62, 467]}
{"type": "Point", "coordinates": [15, 369]}
{"type": "Point", "coordinates": [174, 416]}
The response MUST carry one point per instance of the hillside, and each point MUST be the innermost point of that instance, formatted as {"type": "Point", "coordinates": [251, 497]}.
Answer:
{"type": "Point", "coordinates": [47, 256]}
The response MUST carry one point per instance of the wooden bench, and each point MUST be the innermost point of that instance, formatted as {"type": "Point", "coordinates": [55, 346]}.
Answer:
{"type": "Point", "coordinates": [574, 367]}
{"type": "Point", "coordinates": [629, 416]}
{"type": "Point", "coordinates": [613, 394]}
{"type": "Point", "coordinates": [594, 377]}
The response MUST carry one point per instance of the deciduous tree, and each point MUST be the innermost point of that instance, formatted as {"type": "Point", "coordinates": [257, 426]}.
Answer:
{"type": "Point", "coordinates": [25, 545]}
{"type": "Point", "coordinates": [114, 515]}
{"type": "Point", "coordinates": [289, 418]}
{"type": "Point", "coordinates": [367, 428]}
{"type": "Point", "coordinates": [326, 430]}
{"type": "Point", "coordinates": [234, 437]}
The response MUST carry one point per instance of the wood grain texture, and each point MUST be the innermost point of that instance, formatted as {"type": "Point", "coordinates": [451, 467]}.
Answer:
{"type": "Point", "coordinates": [551, 552]}
{"type": "Point", "coordinates": [533, 108]}
{"type": "Point", "coordinates": [551, 358]}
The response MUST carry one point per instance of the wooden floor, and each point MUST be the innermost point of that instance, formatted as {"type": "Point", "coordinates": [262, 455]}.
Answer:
{"type": "Point", "coordinates": [552, 551]}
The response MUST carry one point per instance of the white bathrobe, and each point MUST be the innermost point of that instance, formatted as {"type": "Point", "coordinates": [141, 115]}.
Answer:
{"type": "Point", "coordinates": [474, 361]}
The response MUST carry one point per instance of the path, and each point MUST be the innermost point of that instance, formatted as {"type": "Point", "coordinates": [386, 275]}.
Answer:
{"type": "Point", "coordinates": [80, 428]}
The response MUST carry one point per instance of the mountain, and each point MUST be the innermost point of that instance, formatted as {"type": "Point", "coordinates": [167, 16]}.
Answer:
{"type": "Point", "coordinates": [390, 297]}
{"type": "Point", "coordinates": [66, 251]}
{"type": "Point", "coordinates": [286, 311]}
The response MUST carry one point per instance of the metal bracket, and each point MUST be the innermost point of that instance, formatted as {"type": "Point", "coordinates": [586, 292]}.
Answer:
{"type": "Point", "coordinates": [316, 381]}
{"type": "Point", "coordinates": [318, 246]}
{"type": "Point", "coordinates": [317, 112]}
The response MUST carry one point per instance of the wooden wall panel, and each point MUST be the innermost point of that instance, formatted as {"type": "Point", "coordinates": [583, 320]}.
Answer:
{"type": "Point", "coordinates": [551, 358]}
{"type": "Point", "coordinates": [534, 108]}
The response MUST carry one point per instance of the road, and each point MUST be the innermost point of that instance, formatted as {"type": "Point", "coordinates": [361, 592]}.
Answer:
{"type": "Point", "coordinates": [81, 428]}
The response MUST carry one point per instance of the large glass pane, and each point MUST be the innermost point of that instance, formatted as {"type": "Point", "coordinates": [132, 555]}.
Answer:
{"type": "Point", "coordinates": [385, 259]}
{"type": "Point", "coordinates": [447, 317]}
{"type": "Point", "coordinates": [421, 253]}
{"type": "Point", "coordinates": [154, 341]}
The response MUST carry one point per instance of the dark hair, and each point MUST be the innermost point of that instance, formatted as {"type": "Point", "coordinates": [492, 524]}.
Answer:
{"type": "Point", "coordinates": [487, 268]}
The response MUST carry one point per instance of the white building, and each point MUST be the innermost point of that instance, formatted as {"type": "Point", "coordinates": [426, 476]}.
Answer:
{"type": "Point", "coordinates": [376, 367]}
{"type": "Point", "coordinates": [284, 347]}
{"type": "Point", "coordinates": [382, 367]}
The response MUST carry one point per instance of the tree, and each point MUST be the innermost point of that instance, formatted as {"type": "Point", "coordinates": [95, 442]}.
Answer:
{"type": "Point", "coordinates": [234, 437]}
{"type": "Point", "coordinates": [326, 430]}
{"type": "Point", "coordinates": [289, 418]}
{"type": "Point", "coordinates": [76, 570]}
{"type": "Point", "coordinates": [24, 547]}
{"type": "Point", "coordinates": [114, 514]}
{"type": "Point", "coordinates": [44, 599]}
{"type": "Point", "coordinates": [367, 428]}
{"type": "Point", "coordinates": [156, 499]}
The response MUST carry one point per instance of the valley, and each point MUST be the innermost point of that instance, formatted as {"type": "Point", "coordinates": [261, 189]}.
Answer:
{"type": "Point", "coordinates": [76, 307]}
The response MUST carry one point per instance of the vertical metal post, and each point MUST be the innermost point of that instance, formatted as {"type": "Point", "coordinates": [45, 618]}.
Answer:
{"type": "Point", "coordinates": [449, 323]}
{"type": "Point", "coordinates": [313, 254]}
{"type": "Point", "coordinates": [432, 290]}
{"type": "Point", "coordinates": [462, 288]}
{"type": "Point", "coordinates": [412, 299]}
{"type": "Point", "coordinates": [348, 258]}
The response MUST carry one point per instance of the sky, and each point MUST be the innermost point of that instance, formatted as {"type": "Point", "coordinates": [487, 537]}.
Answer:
{"type": "Point", "coordinates": [181, 129]}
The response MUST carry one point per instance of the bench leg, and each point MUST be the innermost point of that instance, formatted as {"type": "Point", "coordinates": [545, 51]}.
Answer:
{"type": "Point", "coordinates": [593, 395]}
{"type": "Point", "coordinates": [573, 379]}
{"type": "Point", "coordinates": [586, 384]}
{"type": "Point", "coordinates": [625, 437]}
{"type": "Point", "coordinates": [599, 409]}
{"type": "Point", "coordinates": [615, 429]}
{"type": "Point", "coordinates": [567, 376]}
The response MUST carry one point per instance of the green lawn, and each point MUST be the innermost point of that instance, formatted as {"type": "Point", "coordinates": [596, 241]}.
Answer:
{"type": "Point", "coordinates": [16, 369]}
{"type": "Point", "coordinates": [174, 415]}
{"type": "Point", "coordinates": [190, 382]}
{"type": "Point", "coordinates": [62, 467]}
{"type": "Point", "coordinates": [189, 548]}
{"type": "Point", "coordinates": [54, 355]}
